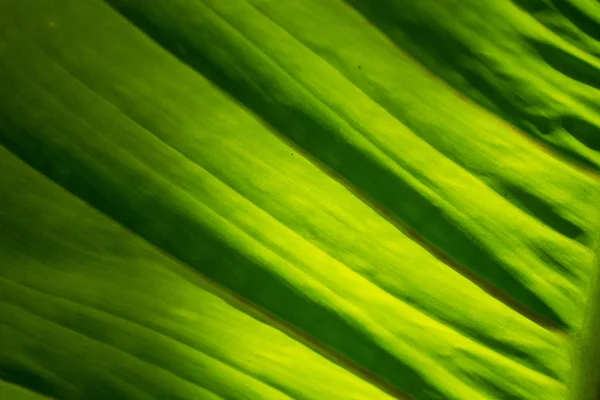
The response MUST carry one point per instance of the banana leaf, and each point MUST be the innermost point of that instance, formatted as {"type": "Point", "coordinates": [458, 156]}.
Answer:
{"type": "Point", "coordinates": [311, 199]}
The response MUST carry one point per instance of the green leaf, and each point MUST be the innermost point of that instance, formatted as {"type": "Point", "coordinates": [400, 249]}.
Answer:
{"type": "Point", "coordinates": [259, 199]}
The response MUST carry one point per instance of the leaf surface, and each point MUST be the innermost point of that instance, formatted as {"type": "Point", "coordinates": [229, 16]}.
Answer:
{"type": "Point", "coordinates": [219, 200]}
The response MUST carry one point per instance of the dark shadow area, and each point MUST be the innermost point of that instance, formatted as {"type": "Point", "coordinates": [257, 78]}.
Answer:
{"type": "Point", "coordinates": [582, 130]}
{"type": "Point", "coordinates": [543, 211]}
{"type": "Point", "coordinates": [567, 64]}
{"type": "Point", "coordinates": [26, 378]}
{"type": "Point", "coordinates": [580, 19]}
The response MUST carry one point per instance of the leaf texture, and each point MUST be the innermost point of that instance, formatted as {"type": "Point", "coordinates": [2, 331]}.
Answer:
{"type": "Point", "coordinates": [259, 199]}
